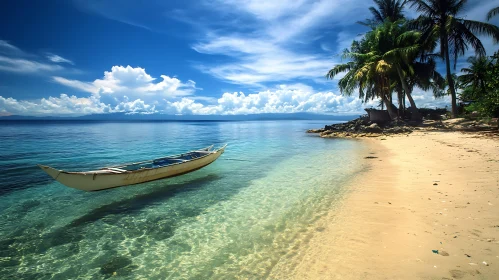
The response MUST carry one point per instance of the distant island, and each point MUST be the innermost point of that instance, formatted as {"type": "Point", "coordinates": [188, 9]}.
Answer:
{"type": "Point", "coordinates": [164, 117]}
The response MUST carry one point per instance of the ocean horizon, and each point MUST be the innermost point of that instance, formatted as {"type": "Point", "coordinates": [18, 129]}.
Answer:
{"type": "Point", "coordinates": [241, 216]}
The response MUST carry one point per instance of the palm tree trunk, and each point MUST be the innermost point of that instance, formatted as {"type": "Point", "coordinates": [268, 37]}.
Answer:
{"type": "Point", "coordinates": [403, 98]}
{"type": "Point", "coordinates": [389, 107]}
{"type": "Point", "coordinates": [415, 115]}
{"type": "Point", "coordinates": [400, 96]}
{"type": "Point", "coordinates": [386, 99]}
{"type": "Point", "coordinates": [450, 81]}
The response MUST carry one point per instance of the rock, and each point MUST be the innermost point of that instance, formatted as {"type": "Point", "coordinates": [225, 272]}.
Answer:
{"type": "Point", "coordinates": [362, 127]}
{"type": "Point", "coordinates": [443, 253]}
{"type": "Point", "coordinates": [325, 133]}
{"type": "Point", "coordinates": [374, 128]}
{"type": "Point", "coordinates": [316, 130]}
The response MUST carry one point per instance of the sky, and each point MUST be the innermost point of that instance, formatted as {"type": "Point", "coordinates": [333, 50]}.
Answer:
{"type": "Point", "coordinates": [203, 57]}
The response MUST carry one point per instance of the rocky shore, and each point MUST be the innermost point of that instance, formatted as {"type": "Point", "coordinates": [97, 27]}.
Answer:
{"type": "Point", "coordinates": [363, 127]}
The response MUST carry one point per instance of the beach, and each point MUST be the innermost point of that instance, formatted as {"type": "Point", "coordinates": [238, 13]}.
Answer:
{"type": "Point", "coordinates": [426, 208]}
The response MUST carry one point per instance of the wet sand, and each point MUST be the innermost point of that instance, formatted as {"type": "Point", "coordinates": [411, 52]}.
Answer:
{"type": "Point", "coordinates": [426, 208]}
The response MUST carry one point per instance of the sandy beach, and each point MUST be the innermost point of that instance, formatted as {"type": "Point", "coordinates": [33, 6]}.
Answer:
{"type": "Point", "coordinates": [426, 208]}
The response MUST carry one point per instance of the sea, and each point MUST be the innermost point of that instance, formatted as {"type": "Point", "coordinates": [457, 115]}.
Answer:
{"type": "Point", "coordinates": [245, 216]}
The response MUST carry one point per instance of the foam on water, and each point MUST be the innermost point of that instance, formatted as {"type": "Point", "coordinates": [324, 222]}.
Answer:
{"type": "Point", "coordinates": [238, 217]}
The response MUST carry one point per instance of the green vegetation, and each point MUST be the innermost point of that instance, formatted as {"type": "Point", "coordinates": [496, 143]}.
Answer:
{"type": "Point", "coordinates": [480, 85]}
{"type": "Point", "coordinates": [397, 54]}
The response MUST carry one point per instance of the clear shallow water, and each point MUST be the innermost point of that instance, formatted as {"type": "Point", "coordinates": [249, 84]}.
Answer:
{"type": "Point", "coordinates": [237, 218]}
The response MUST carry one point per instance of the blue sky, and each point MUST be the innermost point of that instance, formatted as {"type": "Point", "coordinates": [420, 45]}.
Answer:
{"type": "Point", "coordinates": [79, 57]}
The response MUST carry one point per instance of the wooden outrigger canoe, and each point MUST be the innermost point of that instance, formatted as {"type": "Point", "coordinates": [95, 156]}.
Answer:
{"type": "Point", "coordinates": [136, 173]}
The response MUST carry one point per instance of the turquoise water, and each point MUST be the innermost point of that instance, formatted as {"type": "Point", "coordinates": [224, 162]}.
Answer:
{"type": "Point", "coordinates": [236, 218]}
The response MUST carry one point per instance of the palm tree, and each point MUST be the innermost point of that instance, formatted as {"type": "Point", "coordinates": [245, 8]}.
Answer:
{"type": "Point", "coordinates": [367, 72]}
{"type": "Point", "coordinates": [391, 10]}
{"type": "Point", "coordinates": [492, 13]}
{"type": "Point", "coordinates": [401, 50]}
{"type": "Point", "coordinates": [476, 74]}
{"type": "Point", "coordinates": [439, 21]}
{"type": "Point", "coordinates": [385, 60]}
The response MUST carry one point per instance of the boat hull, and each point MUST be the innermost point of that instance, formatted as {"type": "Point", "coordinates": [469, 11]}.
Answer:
{"type": "Point", "coordinates": [95, 181]}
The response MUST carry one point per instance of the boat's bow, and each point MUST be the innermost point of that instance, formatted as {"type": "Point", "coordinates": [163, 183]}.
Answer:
{"type": "Point", "coordinates": [51, 171]}
{"type": "Point", "coordinates": [221, 149]}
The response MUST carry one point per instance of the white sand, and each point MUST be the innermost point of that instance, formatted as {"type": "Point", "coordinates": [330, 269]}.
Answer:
{"type": "Point", "coordinates": [426, 191]}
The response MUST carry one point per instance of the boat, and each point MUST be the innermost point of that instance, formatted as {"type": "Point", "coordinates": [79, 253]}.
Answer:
{"type": "Point", "coordinates": [136, 173]}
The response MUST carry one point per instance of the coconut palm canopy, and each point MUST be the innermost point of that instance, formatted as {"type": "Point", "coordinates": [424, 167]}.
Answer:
{"type": "Point", "coordinates": [397, 54]}
{"type": "Point", "coordinates": [391, 10]}
{"type": "Point", "coordinates": [476, 74]}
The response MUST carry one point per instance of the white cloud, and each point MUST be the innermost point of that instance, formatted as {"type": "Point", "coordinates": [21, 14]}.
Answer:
{"type": "Point", "coordinates": [83, 86]}
{"type": "Point", "coordinates": [7, 48]}
{"type": "Point", "coordinates": [134, 83]}
{"type": "Point", "coordinates": [279, 41]}
{"type": "Point", "coordinates": [13, 59]}
{"type": "Point", "coordinates": [136, 106]}
{"type": "Point", "coordinates": [291, 98]}
{"type": "Point", "coordinates": [272, 42]}
{"type": "Point", "coordinates": [20, 65]}
{"type": "Point", "coordinates": [123, 89]}
{"type": "Point", "coordinates": [263, 9]}
{"type": "Point", "coordinates": [114, 10]}
{"type": "Point", "coordinates": [259, 61]}
{"type": "Point", "coordinates": [63, 105]}
{"type": "Point", "coordinates": [58, 59]}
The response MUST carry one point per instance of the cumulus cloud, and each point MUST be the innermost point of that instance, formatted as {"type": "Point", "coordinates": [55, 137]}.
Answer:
{"type": "Point", "coordinates": [64, 105]}
{"type": "Point", "coordinates": [123, 89]}
{"type": "Point", "coordinates": [291, 98]}
{"type": "Point", "coordinates": [135, 83]}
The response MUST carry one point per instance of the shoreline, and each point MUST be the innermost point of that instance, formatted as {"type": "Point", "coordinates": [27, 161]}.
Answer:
{"type": "Point", "coordinates": [425, 209]}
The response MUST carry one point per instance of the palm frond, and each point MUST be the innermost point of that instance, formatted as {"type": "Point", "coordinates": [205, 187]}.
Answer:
{"type": "Point", "coordinates": [457, 7]}
{"type": "Point", "coordinates": [466, 70]}
{"type": "Point", "coordinates": [470, 37]}
{"type": "Point", "coordinates": [338, 69]}
{"type": "Point", "coordinates": [492, 13]}
{"type": "Point", "coordinates": [423, 8]}
{"type": "Point", "coordinates": [482, 28]}
{"type": "Point", "coordinates": [378, 17]}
